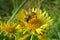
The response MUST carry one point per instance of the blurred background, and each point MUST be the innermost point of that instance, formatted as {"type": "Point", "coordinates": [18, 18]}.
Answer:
{"type": "Point", "coordinates": [8, 7]}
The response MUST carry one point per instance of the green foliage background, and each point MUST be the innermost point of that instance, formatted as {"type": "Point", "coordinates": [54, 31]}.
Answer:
{"type": "Point", "coordinates": [8, 7]}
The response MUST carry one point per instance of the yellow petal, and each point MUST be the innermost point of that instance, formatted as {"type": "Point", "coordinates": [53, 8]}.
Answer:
{"type": "Point", "coordinates": [39, 31]}
{"type": "Point", "coordinates": [33, 10]}
{"type": "Point", "coordinates": [48, 20]}
{"type": "Point", "coordinates": [24, 37]}
{"type": "Point", "coordinates": [45, 26]}
{"type": "Point", "coordinates": [21, 15]}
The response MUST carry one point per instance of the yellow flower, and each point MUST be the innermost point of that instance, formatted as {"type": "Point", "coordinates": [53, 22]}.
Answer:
{"type": "Point", "coordinates": [11, 29]}
{"type": "Point", "coordinates": [34, 20]}
{"type": "Point", "coordinates": [42, 37]}
{"type": "Point", "coordinates": [24, 37]}
{"type": "Point", "coordinates": [1, 25]}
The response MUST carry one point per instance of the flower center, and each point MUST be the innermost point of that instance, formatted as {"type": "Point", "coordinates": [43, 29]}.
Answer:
{"type": "Point", "coordinates": [33, 23]}
{"type": "Point", "coordinates": [9, 29]}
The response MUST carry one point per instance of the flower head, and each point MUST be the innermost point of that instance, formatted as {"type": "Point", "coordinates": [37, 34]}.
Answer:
{"type": "Point", "coordinates": [35, 20]}
{"type": "Point", "coordinates": [24, 37]}
{"type": "Point", "coordinates": [10, 29]}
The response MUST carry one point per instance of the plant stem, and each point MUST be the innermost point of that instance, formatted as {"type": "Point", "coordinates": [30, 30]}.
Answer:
{"type": "Point", "coordinates": [14, 14]}
{"type": "Point", "coordinates": [31, 37]}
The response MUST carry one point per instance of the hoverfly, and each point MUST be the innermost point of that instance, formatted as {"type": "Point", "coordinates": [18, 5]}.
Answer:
{"type": "Point", "coordinates": [29, 16]}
